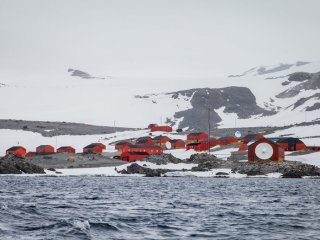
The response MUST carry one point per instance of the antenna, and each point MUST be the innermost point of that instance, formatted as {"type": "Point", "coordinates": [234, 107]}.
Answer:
{"type": "Point", "coordinates": [209, 129]}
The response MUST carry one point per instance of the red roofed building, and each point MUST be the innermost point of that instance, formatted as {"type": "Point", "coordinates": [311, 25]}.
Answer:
{"type": "Point", "coordinates": [264, 149]}
{"type": "Point", "coordinates": [66, 149]}
{"type": "Point", "coordinates": [145, 141]}
{"type": "Point", "coordinates": [17, 151]}
{"type": "Point", "coordinates": [143, 148]}
{"type": "Point", "coordinates": [161, 129]}
{"type": "Point", "coordinates": [197, 137]}
{"type": "Point", "coordinates": [94, 148]}
{"type": "Point", "coordinates": [198, 146]}
{"type": "Point", "coordinates": [250, 137]}
{"type": "Point", "coordinates": [151, 125]}
{"type": "Point", "coordinates": [161, 140]}
{"type": "Point", "coordinates": [177, 144]}
{"type": "Point", "coordinates": [291, 144]}
{"type": "Point", "coordinates": [119, 145]}
{"type": "Point", "coordinates": [45, 149]}
{"type": "Point", "coordinates": [133, 156]}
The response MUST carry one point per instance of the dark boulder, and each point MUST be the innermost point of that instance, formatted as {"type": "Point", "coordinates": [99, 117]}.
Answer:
{"type": "Point", "coordinates": [135, 168]}
{"type": "Point", "coordinates": [11, 164]}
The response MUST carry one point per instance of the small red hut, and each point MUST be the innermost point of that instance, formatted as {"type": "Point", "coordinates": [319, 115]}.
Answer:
{"type": "Point", "coordinates": [66, 149]}
{"type": "Point", "coordinates": [133, 156]}
{"type": "Point", "coordinates": [94, 148]}
{"type": "Point", "coordinates": [161, 129]}
{"type": "Point", "coordinates": [45, 149]}
{"type": "Point", "coordinates": [17, 151]}
{"type": "Point", "coordinates": [197, 137]}
{"type": "Point", "coordinates": [119, 145]}
{"type": "Point", "coordinates": [264, 149]}
{"type": "Point", "coordinates": [161, 140]}
{"type": "Point", "coordinates": [250, 137]}
{"type": "Point", "coordinates": [143, 148]}
{"type": "Point", "coordinates": [291, 144]}
{"type": "Point", "coordinates": [177, 144]}
{"type": "Point", "coordinates": [198, 146]}
{"type": "Point", "coordinates": [145, 141]}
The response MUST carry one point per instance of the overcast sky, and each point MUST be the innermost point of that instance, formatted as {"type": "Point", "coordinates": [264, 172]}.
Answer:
{"type": "Point", "coordinates": [156, 38]}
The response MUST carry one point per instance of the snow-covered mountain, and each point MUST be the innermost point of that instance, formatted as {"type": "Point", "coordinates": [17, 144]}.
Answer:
{"type": "Point", "coordinates": [276, 95]}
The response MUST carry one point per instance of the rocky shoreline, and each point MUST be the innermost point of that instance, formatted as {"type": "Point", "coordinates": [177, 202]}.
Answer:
{"type": "Point", "coordinates": [206, 162]}
{"type": "Point", "coordinates": [14, 165]}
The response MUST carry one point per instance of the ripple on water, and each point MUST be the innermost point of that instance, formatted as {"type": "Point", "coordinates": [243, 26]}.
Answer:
{"type": "Point", "coordinates": [158, 208]}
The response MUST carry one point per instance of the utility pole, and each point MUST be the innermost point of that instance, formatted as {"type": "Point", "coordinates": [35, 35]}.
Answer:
{"type": "Point", "coordinates": [209, 129]}
{"type": "Point", "coordinates": [114, 125]}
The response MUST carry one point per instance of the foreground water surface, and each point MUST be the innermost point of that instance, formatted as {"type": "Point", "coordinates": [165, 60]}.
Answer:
{"type": "Point", "coordinates": [158, 208]}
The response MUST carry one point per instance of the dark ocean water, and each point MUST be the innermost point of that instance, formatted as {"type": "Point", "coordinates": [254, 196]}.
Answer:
{"type": "Point", "coordinates": [158, 208]}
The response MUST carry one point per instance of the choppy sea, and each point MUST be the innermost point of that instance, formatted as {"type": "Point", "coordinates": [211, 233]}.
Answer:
{"type": "Point", "coordinates": [158, 208]}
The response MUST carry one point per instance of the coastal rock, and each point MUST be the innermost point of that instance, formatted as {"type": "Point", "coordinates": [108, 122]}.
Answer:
{"type": "Point", "coordinates": [163, 159]}
{"type": "Point", "coordinates": [14, 165]}
{"type": "Point", "coordinates": [288, 169]}
{"type": "Point", "coordinates": [135, 168]}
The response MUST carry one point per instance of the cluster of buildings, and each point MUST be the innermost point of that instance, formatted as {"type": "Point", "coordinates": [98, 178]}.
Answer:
{"type": "Point", "coordinates": [48, 149]}
{"type": "Point", "coordinates": [257, 145]}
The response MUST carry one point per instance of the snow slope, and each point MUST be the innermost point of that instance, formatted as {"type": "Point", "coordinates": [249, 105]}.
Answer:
{"type": "Point", "coordinates": [57, 96]}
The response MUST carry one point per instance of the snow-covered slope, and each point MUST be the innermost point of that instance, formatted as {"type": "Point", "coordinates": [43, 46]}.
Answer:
{"type": "Point", "coordinates": [59, 95]}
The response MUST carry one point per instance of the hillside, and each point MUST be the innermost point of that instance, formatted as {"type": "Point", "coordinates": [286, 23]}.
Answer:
{"type": "Point", "coordinates": [263, 96]}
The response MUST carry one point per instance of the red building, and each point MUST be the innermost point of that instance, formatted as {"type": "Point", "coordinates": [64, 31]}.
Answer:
{"type": "Point", "coordinates": [161, 140]}
{"type": "Point", "coordinates": [45, 149]}
{"type": "Point", "coordinates": [161, 129]}
{"type": "Point", "coordinates": [264, 149]}
{"type": "Point", "coordinates": [197, 137]}
{"type": "Point", "coordinates": [17, 151]}
{"type": "Point", "coordinates": [198, 146]}
{"type": "Point", "coordinates": [119, 145]}
{"type": "Point", "coordinates": [151, 125]}
{"type": "Point", "coordinates": [227, 140]}
{"type": "Point", "coordinates": [133, 156]}
{"type": "Point", "coordinates": [145, 141]}
{"type": "Point", "coordinates": [250, 137]}
{"type": "Point", "coordinates": [94, 148]}
{"type": "Point", "coordinates": [291, 144]}
{"type": "Point", "coordinates": [177, 144]}
{"type": "Point", "coordinates": [66, 149]}
{"type": "Point", "coordinates": [143, 148]}
{"type": "Point", "coordinates": [243, 147]}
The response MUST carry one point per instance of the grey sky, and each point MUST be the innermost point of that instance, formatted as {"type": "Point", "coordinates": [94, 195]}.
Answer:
{"type": "Point", "coordinates": [163, 38]}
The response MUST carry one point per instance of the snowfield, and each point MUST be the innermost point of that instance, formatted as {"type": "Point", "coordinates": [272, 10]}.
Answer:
{"type": "Point", "coordinates": [103, 102]}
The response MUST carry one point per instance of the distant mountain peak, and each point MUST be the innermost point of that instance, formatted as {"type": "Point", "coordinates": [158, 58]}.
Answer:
{"type": "Point", "coordinates": [81, 74]}
{"type": "Point", "coordinates": [270, 69]}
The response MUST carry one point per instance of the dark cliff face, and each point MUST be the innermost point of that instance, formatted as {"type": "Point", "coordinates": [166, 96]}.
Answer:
{"type": "Point", "coordinates": [15, 165]}
{"type": "Point", "coordinates": [239, 100]}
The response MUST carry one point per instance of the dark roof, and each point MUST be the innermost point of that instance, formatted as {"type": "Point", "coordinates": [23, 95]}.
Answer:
{"type": "Point", "coordinates": [139, 153]}
{"type": "Point", "coordinates": [122, 143]}
{"type": "Point", "coordinates": [252, 135]}
{"type": "Point", "coordinates": [64, 147]}
{"type": "Point", "coordinates": [160, 137]}
{"type": "Point", "coordinates": [224, 138]}
{"type": "Point", "coordinates": [143, 138]}
{"type": "Point", "coordinates": [14, 148]}
{"type": "Point", "coordinates": [92, 145]}
{"type": "Point", "coordinates": [289, 140]}
{"type": "Point", "coordinates": [194, 144]}
{"type": "Point", "coordinates": [196, 134]}
{"type": "Point", "coordinates": [43, 146]}
{"type": "Point", "coordinates": [143, 146]}
{"type": "Point", "coordinates": [176, 140]}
